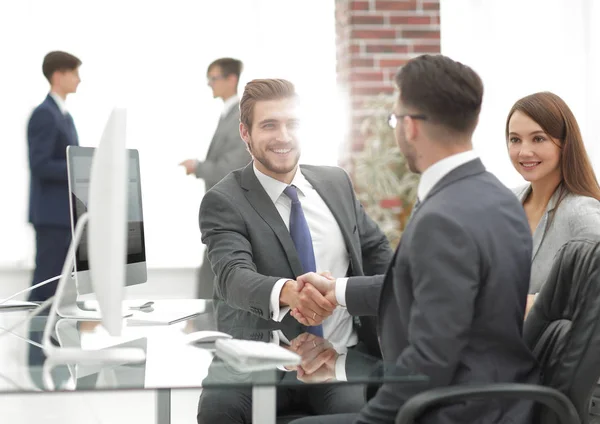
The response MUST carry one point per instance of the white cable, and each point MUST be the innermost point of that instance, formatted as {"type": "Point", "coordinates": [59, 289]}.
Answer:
{"type": "Point", "coordinates": [35, 312]}
{"type": "Point", "coordinates": [25, 339]}
{"type": "Point", "coordinates": [49, 280]}
{"type": "Point", "coordinates": [19, 387]}
{"type": "Point", "coordinates": [66, 272]}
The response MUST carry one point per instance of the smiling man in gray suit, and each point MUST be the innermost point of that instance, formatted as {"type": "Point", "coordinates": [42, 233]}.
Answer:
{"type": "Point", "coordinates": [272, 221]}
{"type": "Point", "coordinates": [226, 152]}
{"type": "Point", "coordinates": [451, 305]}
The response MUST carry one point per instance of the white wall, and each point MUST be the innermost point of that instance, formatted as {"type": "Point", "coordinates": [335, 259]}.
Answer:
{"type": "Point", "coordinates": [151, 56]}
{"type": "Point", "coordinates": [519, 47]}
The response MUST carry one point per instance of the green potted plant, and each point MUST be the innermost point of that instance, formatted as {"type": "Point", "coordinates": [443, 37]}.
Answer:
{"type": "Point", "coordinates": [384, 185]}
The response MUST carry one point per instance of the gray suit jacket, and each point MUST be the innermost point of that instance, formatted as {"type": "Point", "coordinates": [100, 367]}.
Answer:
{"type": "Point", "coordinates": [227, 151]}
{"type": "Point", "coordinates": [250, 248]}
{"type": "Point", "coordinates": [576, 216]}
{"type": "Point", "coordinates": [453, 300]}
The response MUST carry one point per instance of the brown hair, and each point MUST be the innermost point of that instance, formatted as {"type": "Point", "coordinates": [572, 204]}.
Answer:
{"type": "Point", "coordinates": [447, 92]}
{"type": "Point", "coordinates": [556, 119]}
{"type": "Point", "coordinates": [59, 61]}
{"type": "Point", "coordinates": [263, 89]}
{"type": "Point", "coordinates": [228, 66]}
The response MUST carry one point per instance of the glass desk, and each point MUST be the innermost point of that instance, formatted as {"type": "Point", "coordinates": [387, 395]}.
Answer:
{"type": "Point", "coordinates": [171, 363]}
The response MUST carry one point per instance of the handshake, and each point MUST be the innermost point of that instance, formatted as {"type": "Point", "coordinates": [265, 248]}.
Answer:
{"type": "Point", "coordinates": [311, 297]}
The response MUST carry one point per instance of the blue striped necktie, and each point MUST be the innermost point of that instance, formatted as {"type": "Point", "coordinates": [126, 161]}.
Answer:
{"type": "Point", "coordinates": [303, 241]}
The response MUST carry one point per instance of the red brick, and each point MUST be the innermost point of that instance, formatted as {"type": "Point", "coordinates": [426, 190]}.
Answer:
{"type": "Point", "coordinates": [359, 5]}
{"type": "Point", "coordinates": [375, 90]}
{"type": "Point", "coordinates": [391, 75]}
{"type": "Point", "coordinates": [435, 20]}
{"type": "Point", "coordinates": [426, 48]}
{"type": "Point", "coordinates": [355, 48]}
{"type": "Point", "coordinates": [362, 62]}
{"type": "Point", "coordinates": [396, 5]}
{"type": "Point", "coordinates": [410, 20]}
{"type": "Point", "coordinates": [392, 63]}
{"type": "Point", "coordinates": [419, 33]}
{"type": "Point", "coordinates": [366, 76]}
{"type": "Point", "coordinates": [431, 5]}
{"type": "Point", "coordinates": [366, 20]}
{"type": "Point", "coordinates": [387, 48]}
{"type": "Point", "coordinates": [372, 34]}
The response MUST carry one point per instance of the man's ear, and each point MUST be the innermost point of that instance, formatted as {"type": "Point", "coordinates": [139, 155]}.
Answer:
{"type": "Point", "coordinates": [244, 133]}
{"type": "Point", "coordinates": [410, 129]}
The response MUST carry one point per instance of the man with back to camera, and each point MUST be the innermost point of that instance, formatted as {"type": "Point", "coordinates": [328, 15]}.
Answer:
{"type": "Point", "coordinates": [226, 152]}
{"type": "Point", "coordinates": [49, 131]}
{"type": "Point", "coordinates": [270, 222]}
{"type": "Point", "coordinates": [451, 305]}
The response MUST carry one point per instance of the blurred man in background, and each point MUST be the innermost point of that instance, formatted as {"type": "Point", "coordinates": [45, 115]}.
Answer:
{"type": "Point", "coordinates": [226, 152]}
{"type": "Point", "coordinates": [49, 131]}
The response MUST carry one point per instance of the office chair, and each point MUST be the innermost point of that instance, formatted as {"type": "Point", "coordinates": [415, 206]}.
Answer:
{"type": "Point", "coordinates": [563, 331]}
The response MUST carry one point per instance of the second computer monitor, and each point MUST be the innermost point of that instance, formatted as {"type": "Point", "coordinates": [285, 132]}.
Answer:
{"type": "Point", "coordinates": [79, 164]}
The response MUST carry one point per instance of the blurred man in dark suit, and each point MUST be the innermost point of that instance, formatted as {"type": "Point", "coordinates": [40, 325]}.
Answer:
{"type": "Point", "coordinates": [49, 131]}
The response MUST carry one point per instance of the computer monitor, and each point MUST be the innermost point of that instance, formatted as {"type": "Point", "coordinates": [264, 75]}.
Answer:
{"type": "Point", "coordinates": [107, 223]}
{"type": "Point", "coordinates": [79, 166]}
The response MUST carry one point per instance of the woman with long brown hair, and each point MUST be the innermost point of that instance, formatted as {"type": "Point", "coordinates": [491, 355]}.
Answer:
{"type": "Point", "coordinates": [562, 197]}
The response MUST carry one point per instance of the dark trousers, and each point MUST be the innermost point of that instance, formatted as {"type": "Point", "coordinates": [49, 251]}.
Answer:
{"type": "Point", "coordinates": [51, 247]}
{"type": "Point", "coordinates": [234, 405]}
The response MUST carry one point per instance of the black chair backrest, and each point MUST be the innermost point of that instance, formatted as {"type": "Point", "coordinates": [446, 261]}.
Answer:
{"type": "Point", "coordinates": [563, 327]}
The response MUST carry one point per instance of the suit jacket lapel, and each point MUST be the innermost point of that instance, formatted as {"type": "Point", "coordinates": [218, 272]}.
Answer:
{"type": "Point", "coordinates": [468, 169]}
{"type": "Point", "coordinates": [261, 202]}
{"type": "Point", "coordinates": [540, 230]}
{"type": "Point", "coordinates": [473, 167]}
{"type": "Point", "coordinates": [333, 198]}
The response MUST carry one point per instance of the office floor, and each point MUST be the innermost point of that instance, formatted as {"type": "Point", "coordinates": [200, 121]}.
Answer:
{"type": "Point", "coordinates": [99, 407]}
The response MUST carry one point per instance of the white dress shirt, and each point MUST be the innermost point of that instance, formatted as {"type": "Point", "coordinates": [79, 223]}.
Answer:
{"type": "Point", "coordinates": [430, 177]}
{"type": "Point", "coordinates": [229, 104]}
{"type": "Point", "coordinates": [62, 105]}
{"type": "Point", "coordinates": [330, 253]}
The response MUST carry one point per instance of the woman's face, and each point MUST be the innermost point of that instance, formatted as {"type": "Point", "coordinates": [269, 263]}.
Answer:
{"type": "Point", "coordinates": [533, 153]}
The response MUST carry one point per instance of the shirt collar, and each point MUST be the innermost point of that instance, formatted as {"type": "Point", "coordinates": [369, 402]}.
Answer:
{"type": "Point", "coordinates": [229, 104]}
{"type": "Point", "coordinates": [440, 169]}
{"type": "Point", "coordinates": [62, 106]}
{"type": "Point", "coordinates": [274, 188]}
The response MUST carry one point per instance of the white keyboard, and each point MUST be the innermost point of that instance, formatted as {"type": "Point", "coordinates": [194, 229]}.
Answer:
{"type": "Point", "coordinates": [253, 355]}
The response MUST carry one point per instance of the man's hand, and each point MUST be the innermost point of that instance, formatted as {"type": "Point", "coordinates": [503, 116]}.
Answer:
{"type": "Point", "coordinates": [189, 165]}
{"type": "Point", "coordinates": [318, 358]}
{"type": "Point", "coordinates": [324, 283]}
{"type": "Point", "coordinates": [310, 303]}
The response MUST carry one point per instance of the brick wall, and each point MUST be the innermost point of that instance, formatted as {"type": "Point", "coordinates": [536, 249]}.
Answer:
{"type": "Point", "coordinates": [375, 38]}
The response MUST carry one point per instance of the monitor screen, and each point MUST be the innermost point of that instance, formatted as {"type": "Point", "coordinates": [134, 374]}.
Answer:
{"type": "Point", "coordinates": [80, 165]}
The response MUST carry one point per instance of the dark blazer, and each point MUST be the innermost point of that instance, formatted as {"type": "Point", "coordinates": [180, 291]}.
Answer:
{"type": "Point", "coordinates": [453, 300]}
{"type": "Point", "coordinates": [250, 248]}
{"type": "Point", "coordinates": [49, 132]}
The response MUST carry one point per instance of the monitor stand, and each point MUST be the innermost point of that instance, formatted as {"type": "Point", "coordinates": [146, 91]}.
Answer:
{"type": "Point", "coordinates": [68, 308]}
{"type": "Point", "coordinates": [64, 355]}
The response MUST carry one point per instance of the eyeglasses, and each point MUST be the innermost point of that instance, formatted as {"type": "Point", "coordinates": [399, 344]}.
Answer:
{"type": "Point", "coordinates": [393, 118]}
{"type": "Point", "coordinates": [211, 80]}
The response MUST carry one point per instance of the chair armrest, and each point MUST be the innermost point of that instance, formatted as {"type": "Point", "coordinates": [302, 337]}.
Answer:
{"type": "Point", "coordinates": [548, 396]}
